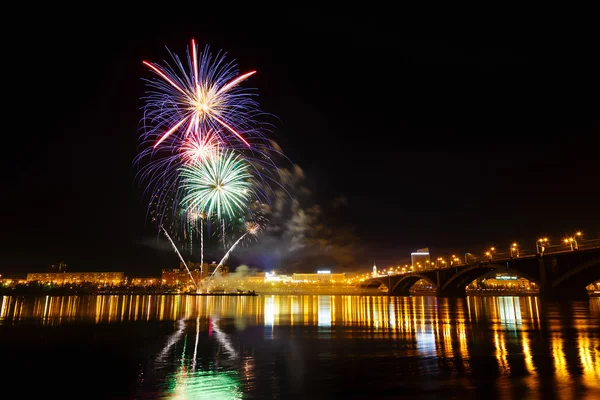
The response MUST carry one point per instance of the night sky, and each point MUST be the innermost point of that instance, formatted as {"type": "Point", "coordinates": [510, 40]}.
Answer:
{"type": "Point", "coordinates": [447, 143]}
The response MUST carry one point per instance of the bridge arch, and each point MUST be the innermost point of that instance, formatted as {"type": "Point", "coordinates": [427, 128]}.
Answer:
{"type": "Point", "coordinates": [456, 285]}
{"type": "Point", "coordinates": [573, 282]}
{"type": "Point", "coordinates": [402, 286]}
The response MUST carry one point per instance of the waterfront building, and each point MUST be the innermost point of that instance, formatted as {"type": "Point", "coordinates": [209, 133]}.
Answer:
{"type": "Point", "coordinates": [320, 277]}
{"type": "Point", "coordinates": [62, 278]}
{"type": "Point", "coordinates": [144, 281]}
{"type": "Point", "coordinates": [420, 258]}
{"type": "Point", "coordinates": [181, 276]}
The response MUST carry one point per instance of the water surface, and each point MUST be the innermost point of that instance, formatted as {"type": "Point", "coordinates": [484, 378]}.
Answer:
{"type": "Point", "coordinates": [306, 347]}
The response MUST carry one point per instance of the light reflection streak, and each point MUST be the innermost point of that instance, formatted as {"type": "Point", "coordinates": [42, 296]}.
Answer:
{"type": "Point", "coordinates": [324, 312]}
{"type": "Point", "coordinates": [173, 339]}
{"type": "Point", "coordinates": [589, 356]}
{"type": "Point", "coordinates": [435, 328]}
{"type": "Point", "coordinates": [195, 357]}
{"type": "Point", "coordinates": [501, 352]}
{"type": "Point", "coordinates": [510, 310]}
{"type": "Point", "coordinates": [527, 353]}
{"type": "Point", "coordinates": [269, 311]}
{"type": "Point", "coordinates": [561, 371]}
{"type": "Point", "coordinates": [426, 342]}
{"type": "Point", "coordinates": [222, 338]}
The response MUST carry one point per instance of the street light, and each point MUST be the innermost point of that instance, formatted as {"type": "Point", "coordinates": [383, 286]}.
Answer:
{"type": "Point", "coordinates": [573, 241]}
{"type": "Point", "coordinates": [514, 250]}
{"type": "Point", "coordinates": [489, 254]}
{"type": "Point", "coordinates": [570, 242]}
{"type": "Point", "coordinates": [540, 245]}
{"type": "Point", "coordinates": [467, 258]}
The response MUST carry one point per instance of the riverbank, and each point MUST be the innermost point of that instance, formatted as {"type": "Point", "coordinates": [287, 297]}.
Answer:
{"type": "Point", "coordinates": [74, 291]}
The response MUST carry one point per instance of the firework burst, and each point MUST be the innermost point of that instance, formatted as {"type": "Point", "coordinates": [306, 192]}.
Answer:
{"type": "Point", "coordinates": [193, 110]}
{"type": "Point", "coordinates": [221, 186]}
{"type": "Point", "coordinates": [203, 96]}
{"type": "Point", "coordinates": [197, 148]}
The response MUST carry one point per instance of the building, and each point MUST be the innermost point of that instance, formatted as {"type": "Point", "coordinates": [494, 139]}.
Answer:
{"type": "Point", "coordinates": [180, 275]}
{"type": "Point", "coordinates": [144, 281]}
{"type": "Point", "coordinates": [61, 278]}
{"type": "Point", "coordinates": [420, 258]}
{"type": "Point", "coordinates": [57, 267]}
{"type": "Point", "coordinates": [259, 277]}
{"type": "Point", "coordinates": [503, 281]}
{"type": "Point", "coordinates": [320, 277]}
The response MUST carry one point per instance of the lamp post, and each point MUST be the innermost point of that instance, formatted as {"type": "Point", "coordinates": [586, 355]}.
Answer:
{"type": "Point", "coordinates": [540, 245]}
{"type": "Point", "coordinates": [514, 250]}
{"type": "Point", "coordinates": [572, 241]}
{"type": "Point", "coordinates": [569, 241]}
{"type": "Point", "coordinates": [467, 258]}
{"type": "Point", "coordinates": [490, 252]}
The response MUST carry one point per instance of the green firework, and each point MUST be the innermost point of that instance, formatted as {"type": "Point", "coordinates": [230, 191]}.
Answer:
{"type": "Point", "coordinates": [220, 185]}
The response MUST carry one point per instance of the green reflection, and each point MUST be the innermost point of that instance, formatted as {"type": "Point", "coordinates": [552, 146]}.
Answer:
{"type": "Point", "coordinates": [215, 385]}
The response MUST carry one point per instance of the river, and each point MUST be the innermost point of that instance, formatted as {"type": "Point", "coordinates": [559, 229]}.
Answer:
{"type": "Point", "coordinates": [298, 347]}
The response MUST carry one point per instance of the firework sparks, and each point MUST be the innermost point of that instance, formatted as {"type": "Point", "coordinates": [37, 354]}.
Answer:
{"type": "Point", "coordinates": [198, 148]}
{"type": "Point", "coordinates": [204, 155]}
{"type": "Point", "coordinates": [219, 186]}
{"type": "Point", "coordinates": [252, 228]}
{"type": "Point", "coordinates": [211, 99]}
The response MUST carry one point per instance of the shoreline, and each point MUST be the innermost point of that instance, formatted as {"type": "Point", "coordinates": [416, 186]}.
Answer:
{"type": "Point", "coordinates": [267, 293]}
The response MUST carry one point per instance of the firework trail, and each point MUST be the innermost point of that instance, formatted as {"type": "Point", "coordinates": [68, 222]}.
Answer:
{"type": "Point", "coordinates": [202, 218]}
{"type": "Point", "coordinates": [252, 228]}
{"type": "Point", "coordinates": [179, 254]}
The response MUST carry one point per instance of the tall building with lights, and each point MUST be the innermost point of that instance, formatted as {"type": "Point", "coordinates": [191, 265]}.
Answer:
{"type": "Point", "coordinates": [419, 258]}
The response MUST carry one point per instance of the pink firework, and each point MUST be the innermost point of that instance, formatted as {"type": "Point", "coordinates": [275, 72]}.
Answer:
{"type": "Point", "coordinates": [205, 96]}
{"type": "Point", "coordinates": [197, 147]}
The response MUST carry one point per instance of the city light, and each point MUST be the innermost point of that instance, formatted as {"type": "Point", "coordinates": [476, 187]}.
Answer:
{"type": "Point", "coordinates": [572, 241]}
{"type": "Point", "coordinates": [514, 250]}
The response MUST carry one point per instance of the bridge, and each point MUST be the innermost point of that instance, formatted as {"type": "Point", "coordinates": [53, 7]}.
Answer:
{"type": "Point", "coordinates": [563, 274]}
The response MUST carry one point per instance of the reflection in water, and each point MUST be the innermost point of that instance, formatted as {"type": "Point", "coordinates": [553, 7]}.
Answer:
{"type": "Point", "coordinates": [189, 381]}
{"type": "Point", "coordinates": [212, 350]}
{"type": "Point", "coordinates": [509, 310]}
{"type": "Point", "coordinates": [215, 385]}
{"type": "Point", "coordinates": [324, 313]}
{"type": "Point", "coordinates": [561, 372]}
{"type": "Point", "coordinates": [269, 314]}
{"type": "Point", "coordinates": [589, 355]}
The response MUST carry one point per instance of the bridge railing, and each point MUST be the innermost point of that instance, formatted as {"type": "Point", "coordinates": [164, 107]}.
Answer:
{"type": "Point", "coordinates": [472, 259]}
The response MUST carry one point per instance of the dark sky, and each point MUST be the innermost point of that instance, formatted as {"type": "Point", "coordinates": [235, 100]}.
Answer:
{"type": "Point", "coordinates": [454, 144]}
